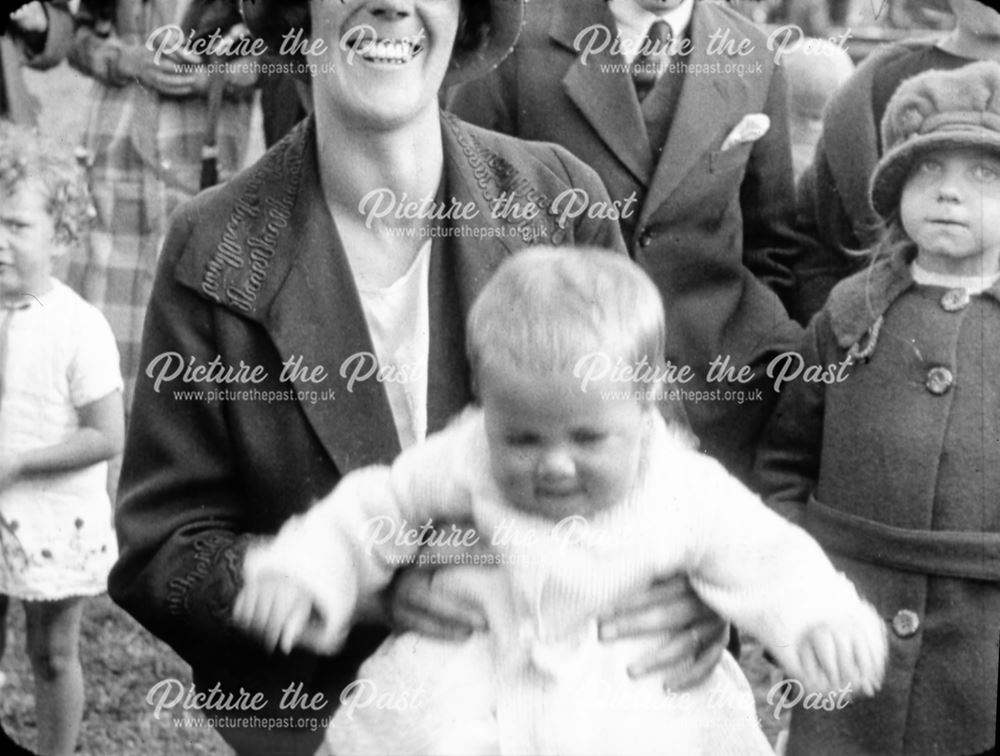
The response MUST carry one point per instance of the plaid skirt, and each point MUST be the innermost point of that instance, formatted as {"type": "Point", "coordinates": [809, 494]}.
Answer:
{"type": "Point", "coordinates": [143, 156]}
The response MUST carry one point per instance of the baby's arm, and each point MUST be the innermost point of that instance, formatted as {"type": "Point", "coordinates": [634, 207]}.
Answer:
{"type": "Point", "coordinates": [99, 437]}
{"type": "Point", "coordinates": [771, 578]}
{"type": "Point", "coordinates": [304, 587]}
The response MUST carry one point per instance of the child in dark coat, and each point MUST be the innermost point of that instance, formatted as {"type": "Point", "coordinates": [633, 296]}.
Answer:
{"type": "Point", "coordinates": [894, 465]}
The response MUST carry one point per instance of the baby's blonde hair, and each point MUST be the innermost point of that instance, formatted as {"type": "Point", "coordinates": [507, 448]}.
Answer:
{"type": "Point", "coordinates": [28, 157]}
{"type": "Point", "coordinates": [546, 308]}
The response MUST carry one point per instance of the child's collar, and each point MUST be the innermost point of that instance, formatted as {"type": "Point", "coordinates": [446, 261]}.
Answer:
{"type": "Point", "coordinates": [855, 304]}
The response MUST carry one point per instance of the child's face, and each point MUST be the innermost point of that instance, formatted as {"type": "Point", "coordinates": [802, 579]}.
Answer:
{"type": "Point", "coordinates": [557, 451]}
{"type": "Point", "coordinates": [950, 208]}
{"type": "Point", "coordinates": [27, 244]}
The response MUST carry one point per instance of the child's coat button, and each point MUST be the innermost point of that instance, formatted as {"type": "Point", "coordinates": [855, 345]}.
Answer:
{"type": "Point", "coordinates": [955, 300]}
{"type": "Point", "coordinates": [939, 380]}
{"type": "Point", "coordinates": [906, 623]}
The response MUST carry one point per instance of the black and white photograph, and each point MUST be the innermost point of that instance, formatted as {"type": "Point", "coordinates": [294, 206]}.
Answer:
{"type": "Point", "coordinates": [499, 377]}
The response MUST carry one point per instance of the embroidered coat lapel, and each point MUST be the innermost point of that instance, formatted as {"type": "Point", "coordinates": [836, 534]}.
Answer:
{"type": "Point", "coordinates": [280, 262]}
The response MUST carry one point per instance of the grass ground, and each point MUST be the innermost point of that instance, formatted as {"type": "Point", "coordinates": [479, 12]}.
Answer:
{"type": "Point", "coordinates": [121, 660]}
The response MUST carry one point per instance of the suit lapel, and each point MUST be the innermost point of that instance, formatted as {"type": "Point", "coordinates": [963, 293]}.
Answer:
{"type": "Point", "coordinates": [704, 104]}
{"type": "Point", "coordinates": [605, 96]}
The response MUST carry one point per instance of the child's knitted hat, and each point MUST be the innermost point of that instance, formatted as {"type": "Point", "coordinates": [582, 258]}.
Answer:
{"type": "Point", "coordinates": [935, 110]}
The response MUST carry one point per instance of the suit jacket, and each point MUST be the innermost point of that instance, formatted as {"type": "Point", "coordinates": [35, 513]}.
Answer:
{"type": "Point", "coordinates": [711, 226]}
{"type": "Point", "coordinates": [253, 276]}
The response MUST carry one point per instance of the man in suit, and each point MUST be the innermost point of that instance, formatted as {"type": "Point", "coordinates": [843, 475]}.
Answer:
{"type": "Point", "coordinates": [704, 153]}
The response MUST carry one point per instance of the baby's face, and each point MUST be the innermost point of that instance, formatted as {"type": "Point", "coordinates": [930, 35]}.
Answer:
{"type": "Point", "coordinates": [26, 242]}
{"type": "Point", "coordinates": [556, 450]}
{"type": "Point", "coordinates": [950, 208]}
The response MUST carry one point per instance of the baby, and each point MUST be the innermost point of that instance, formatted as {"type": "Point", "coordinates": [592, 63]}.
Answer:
{"type": "Point", "coordinates": [582, 494]}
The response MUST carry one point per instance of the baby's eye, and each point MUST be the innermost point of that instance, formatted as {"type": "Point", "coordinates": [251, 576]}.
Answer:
{"type": "Point", "coordinates": [522, 440]}
{"type": "Point", "coordinates": [588, 437]}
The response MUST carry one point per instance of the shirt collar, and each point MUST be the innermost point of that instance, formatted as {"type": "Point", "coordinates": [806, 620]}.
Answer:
{"type": "Point", "coordinates": [972, 284]}
{"type": "Point", "coordinates": [634, 22]}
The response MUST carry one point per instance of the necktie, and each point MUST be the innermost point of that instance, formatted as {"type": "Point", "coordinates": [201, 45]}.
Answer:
{"type": "Point", "coordinates": [646, 66]}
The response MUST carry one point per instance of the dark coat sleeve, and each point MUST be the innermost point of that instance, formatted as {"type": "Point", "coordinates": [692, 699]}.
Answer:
{"type": "Point", "coordinates": [787, 465]}
{"type": "Point", "coordinates": [179, 513]}
{"type": "Point", "coordinates": [189, 503]}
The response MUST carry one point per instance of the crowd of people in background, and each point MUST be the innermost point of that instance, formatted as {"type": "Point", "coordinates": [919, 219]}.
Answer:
{"type": "Point", "coordinates": [808, 199]}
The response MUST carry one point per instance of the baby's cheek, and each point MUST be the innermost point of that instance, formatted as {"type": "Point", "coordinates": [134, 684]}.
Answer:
{"type": "Point", "coordinates": [513, 474]}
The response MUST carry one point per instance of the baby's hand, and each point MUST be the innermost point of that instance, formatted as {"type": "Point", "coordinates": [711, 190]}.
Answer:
{"type": "Point", "coordinates": [851, 651]}
{"type": "Point", "coordinates": [275, 610]}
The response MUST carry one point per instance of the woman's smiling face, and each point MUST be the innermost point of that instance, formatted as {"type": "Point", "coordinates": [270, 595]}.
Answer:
{"type": "Point", "coordinates": [383, 60]}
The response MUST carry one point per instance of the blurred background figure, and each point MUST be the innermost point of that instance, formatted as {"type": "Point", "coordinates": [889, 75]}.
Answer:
{"type": "Point", "coordinates": [834, 213]}
{"type": "Point", "coordinates": [34, 33]}
{"type": "Point", "coordinates": [814, 71]}
{"type": "Point", "coordinates": [151, 118]}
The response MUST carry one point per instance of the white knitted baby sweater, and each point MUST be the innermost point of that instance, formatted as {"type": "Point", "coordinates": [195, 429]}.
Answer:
{"type": "Point", "coordinates": [539, 681]}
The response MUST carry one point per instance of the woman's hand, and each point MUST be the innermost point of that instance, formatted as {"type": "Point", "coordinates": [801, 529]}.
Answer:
{"type": "Point", "coordinates": [178, 74]}
{"type": "Point", "coordinates": [696, 636]}
{"type": "Point", "coordinates": [414, 605]}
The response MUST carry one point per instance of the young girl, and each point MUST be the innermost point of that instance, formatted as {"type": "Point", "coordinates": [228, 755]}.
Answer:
{"type": "Point", "coordinates": [580, 493]}
{"type": "Point", "coordinates": [896, 468]}
{"type": "Point", "coordinates": [61, 418]}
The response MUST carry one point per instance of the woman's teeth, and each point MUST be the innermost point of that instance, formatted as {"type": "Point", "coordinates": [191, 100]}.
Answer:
{"type": "Point", "coordinates": [397, 51]}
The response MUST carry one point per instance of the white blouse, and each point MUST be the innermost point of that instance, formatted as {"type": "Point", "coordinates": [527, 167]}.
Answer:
{"type": "Point", "coordinates": [398, 318]}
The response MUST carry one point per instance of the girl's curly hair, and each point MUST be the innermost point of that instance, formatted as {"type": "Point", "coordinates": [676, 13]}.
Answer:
{"type": "Point", "coordinates": [26, 156]}
{"type": "Point", "coordinates": [891, 238]}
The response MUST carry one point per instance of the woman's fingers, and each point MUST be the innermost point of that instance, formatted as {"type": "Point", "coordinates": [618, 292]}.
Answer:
{"type": "Point", "coordinates": [666, 607]}
{"type": "Point", "coordinates": [416, 605]}
{"type": "Point", "coordinates": [687, 656]}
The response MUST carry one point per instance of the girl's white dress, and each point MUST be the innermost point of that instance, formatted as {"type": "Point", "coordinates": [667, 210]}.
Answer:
{"type": "Point", "coordinates": [540, 681]}
{"type": "Point", "coordinates": [56, 535]}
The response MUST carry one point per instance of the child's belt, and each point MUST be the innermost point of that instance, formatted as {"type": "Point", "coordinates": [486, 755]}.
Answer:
{"type": "Point", "coordinates": [949, 553]}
